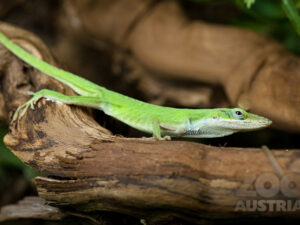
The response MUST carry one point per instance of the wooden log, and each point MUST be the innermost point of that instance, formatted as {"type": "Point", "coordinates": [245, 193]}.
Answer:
{"type": "Point", "coordinates": [30, 208]}
{"type": "Point", "coordinates": [92, 170]}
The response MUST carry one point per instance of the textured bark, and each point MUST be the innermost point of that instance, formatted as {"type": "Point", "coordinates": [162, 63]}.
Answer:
{"type": "Point", "coordinates": [30, 208]}
{"type": "Point", "coordinates": [92, 170]}
{"type": "Point", "coordinates": [17, 77]}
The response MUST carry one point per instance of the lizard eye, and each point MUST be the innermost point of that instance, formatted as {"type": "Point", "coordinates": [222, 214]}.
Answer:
{"type": "Point", "coordinates": [238, 113]}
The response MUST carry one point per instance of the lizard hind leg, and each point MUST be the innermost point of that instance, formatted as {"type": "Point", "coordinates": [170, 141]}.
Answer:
{"type": "Point", "coordinates": [89, 101]}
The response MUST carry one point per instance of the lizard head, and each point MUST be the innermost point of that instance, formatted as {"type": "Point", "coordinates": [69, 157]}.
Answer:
{"type": "Point", "coordinates": [224, 121]}
{"type": "Point", "coordinates": [240, 120]}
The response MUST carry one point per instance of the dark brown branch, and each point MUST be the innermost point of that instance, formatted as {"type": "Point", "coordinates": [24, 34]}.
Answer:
{"type": "Point", "coordinates": [92, 170]}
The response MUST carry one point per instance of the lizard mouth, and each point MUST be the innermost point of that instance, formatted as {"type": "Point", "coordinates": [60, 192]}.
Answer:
{"type": "Point", "coordinates": [247, 124]}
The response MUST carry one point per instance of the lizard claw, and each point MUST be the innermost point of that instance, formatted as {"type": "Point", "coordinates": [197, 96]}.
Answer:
{"type": "Point", "coordinates": [21, 110]}
{"type": "Point", "coordinates": [32, 104]}
{"type": "Point", "coordinates": [30, 93]}
{"type": "Point", "coordinates": [165, 138]}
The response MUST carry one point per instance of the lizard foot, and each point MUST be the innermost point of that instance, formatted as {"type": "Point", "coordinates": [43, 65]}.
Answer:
{"type": "Point", "coordinates": [165, 138]}
{"type": "Point", "coordinates": [21, 110]}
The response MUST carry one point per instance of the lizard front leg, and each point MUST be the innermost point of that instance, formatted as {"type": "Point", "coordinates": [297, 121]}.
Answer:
{"type": "Point", "coordinates": [156, 130]}
{"type": "Point", "coordinates": [89, 101]}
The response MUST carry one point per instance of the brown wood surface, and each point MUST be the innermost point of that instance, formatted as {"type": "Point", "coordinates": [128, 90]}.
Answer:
{"type": "Point", "coordinates": [92, 170]}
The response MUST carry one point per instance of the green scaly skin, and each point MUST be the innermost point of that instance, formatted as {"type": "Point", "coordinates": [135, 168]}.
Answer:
{"type": "Point", "coordinates": [158, 120]}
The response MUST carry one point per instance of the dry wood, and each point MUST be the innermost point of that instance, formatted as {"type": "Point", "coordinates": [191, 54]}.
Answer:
{"type": "Point", "coordinates": [30, 208]}
{"type": "Point", "coordinates": [92, 171]}
{"type": "Point", "coordinates": [38, 208]}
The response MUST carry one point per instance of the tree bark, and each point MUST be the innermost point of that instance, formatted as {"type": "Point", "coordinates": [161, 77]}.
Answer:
{"type": "Point", "coordinates": [91, 170]}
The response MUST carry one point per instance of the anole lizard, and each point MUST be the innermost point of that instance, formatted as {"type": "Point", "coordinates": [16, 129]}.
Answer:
{"type": "Point", "coordinates": [149, 118]}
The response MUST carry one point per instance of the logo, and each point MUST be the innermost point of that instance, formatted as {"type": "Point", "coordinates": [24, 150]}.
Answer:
{"type": "Point", "coordinates": [268, 192]}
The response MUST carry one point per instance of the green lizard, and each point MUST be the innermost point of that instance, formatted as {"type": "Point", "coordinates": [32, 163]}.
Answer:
{"type": "Point", "coordinates": [149, 118]}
